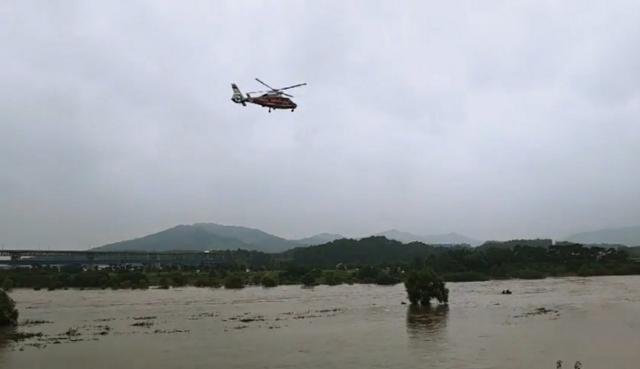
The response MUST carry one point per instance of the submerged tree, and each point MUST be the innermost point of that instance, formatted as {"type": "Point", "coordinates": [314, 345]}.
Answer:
{"type": "Point", "coordinates": [424, 285]}
{"type": "Point", "coordinates": [8, 311]}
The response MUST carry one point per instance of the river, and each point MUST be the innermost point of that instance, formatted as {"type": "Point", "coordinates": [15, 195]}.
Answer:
{"type": "Point", "coordinates": [593, 320]}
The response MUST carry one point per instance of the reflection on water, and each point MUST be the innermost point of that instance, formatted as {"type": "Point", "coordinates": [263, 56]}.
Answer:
{"type": "Point", "coordinates": [426, 322]}
{"type": "Point", "coordinates": [5, 333]}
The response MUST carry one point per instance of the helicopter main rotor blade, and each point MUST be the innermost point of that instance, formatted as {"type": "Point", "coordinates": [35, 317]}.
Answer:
{"type": "Point", "coordinates": [273, 89]}
{"type": "Point", "coordinates": [298, 85]}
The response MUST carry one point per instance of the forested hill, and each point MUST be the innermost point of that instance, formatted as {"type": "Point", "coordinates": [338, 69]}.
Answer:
{"type": "Point", "coordinates": [374, 250]}
{"type": "Point", "coordinates": [539, 242]}
{"type": "Point", "coordinates": [517, 258]}
{"type": "Point", "coordinates": [379, 250]}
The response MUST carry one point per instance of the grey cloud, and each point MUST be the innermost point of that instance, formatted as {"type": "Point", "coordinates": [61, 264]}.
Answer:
{"type": "Point", "coordinates": [492, 119]}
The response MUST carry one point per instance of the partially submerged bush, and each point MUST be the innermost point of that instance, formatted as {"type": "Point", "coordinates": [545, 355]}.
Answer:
{"type": "Point", "coordinates": [387, 279]}
{"type": "Point", "coordinates": [178, 279]}
{"type": "Point", "coordinates": [163, 283]}
{"type": "Point", "coordinates": [308, 280]}
{"type": "Point", "coordinates": [268, 281]}
{"type": "Point", "coordinates": [529, 274]}
{"type": "Point", "coordinates": [424, 285]}
{"type": "Point", "coordinates": [591, 269]}
{"type": "Point", "coordinates": [332, 278]}
{"type": "Point", "coordinates": [202, 282]}
{"type": "Point", "coordinates": [233, 281]}
{"type": "Point", "coordinates": [8, 311]}
{"type": "Point", "coordinates": [7, 284]}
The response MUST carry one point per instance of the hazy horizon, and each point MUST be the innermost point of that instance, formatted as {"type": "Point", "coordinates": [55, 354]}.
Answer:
{"type": "Point", "coordinates": [493, 120]}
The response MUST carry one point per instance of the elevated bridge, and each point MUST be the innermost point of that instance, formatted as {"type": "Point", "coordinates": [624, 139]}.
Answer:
{"type": "Point", "coordinates": [112, 258]}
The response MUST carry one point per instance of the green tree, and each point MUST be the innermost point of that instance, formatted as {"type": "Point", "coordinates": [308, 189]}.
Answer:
{"type": "Point", "coordinates": [202, 282]}
{"type": "Point", "coordinates": [268, 281]}
{"type": "Point", "coordinates": [332, 278]}
{"type": "Point", "coordinates": [308, 280]}
{"type": "Point", "coordinates": [7, 284]}
{"type": "Point", "coordinates": [90, 278]}
{"type": "Point", "coordinates": [214, 282]}
{"type": "Point", "coordinates": [591, 269]}
{"type": "Point", "coordinates": [368, 274]}
{"type": "Point", "coordinates": [233, 281]}
{"type": "Point", "coordinates": [424, 285]}
{"type": "Point", "coordinates": [163, 283]}
{"type": "Point", "coordinates": [178, 279]}
{"type": "Point", "coordinates": [8, 311]}
{"type": "Point", "coordinates": [387, 279]}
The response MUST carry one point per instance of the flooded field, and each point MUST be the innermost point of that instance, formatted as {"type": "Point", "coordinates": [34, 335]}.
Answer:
{"type": "Point", "coordinates": [594, 320]}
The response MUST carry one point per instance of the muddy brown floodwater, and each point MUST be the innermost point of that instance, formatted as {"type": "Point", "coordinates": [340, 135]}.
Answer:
{"type": "Point", "coordinates": [594, 320]}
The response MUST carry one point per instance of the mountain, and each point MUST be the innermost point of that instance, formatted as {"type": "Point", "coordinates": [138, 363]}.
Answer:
{"type": "Point", "coordinates": [404, 237]}
{"type": "Point", "coordinates": [319, 239]}
{"type": "Point", "coordinates": [212, 236]}
{"type": "Point", "coordinates": [451, 239]}
{"type": "Point", "coordinates": [262, 241]}
{"type": "Point", "coordinates": [436, 239]}
{"type": "Point", "coordinates": [202, 237]}
{"type": "Point", "coordinates": [629, 236]}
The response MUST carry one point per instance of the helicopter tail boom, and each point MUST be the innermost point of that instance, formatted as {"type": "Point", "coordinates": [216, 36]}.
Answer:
{"type": "Point", "coordinates": [237, 95]}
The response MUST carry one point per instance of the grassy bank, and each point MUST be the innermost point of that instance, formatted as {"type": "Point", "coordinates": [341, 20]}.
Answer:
{"type": "Point", "coordinates": [141, 278]}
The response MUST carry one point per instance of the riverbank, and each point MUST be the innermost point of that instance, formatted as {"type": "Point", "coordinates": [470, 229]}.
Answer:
{"type": "Point", "coordinates": [142, 278]}
{"type": "Point", "coordinates": [372, 260]}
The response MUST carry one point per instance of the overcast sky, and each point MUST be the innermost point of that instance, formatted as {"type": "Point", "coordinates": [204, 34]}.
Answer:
{"type": "Point", "coordinates": [496, 119]}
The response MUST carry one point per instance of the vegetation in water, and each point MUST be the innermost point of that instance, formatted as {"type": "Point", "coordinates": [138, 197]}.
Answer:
{"type": "Point", "coordinates": [7, 284]}
{"type": "Point", "coordinates": [234, 281]}
{"type": "Point", "coordinates": [425, 285]}
{"type": "Point", "coordinates": [8, 311]}
{"type": "Point", "coordinates": [268, 281]}
{"type": "Point", "coordinates": [308, 280]}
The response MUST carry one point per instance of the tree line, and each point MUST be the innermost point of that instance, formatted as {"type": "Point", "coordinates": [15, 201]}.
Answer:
{"type": "Point", "coordinates": [369, 260]}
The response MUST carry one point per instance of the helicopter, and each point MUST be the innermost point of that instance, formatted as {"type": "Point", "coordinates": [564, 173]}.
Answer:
{"type": "Point", "coordinates": [274, 98]}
